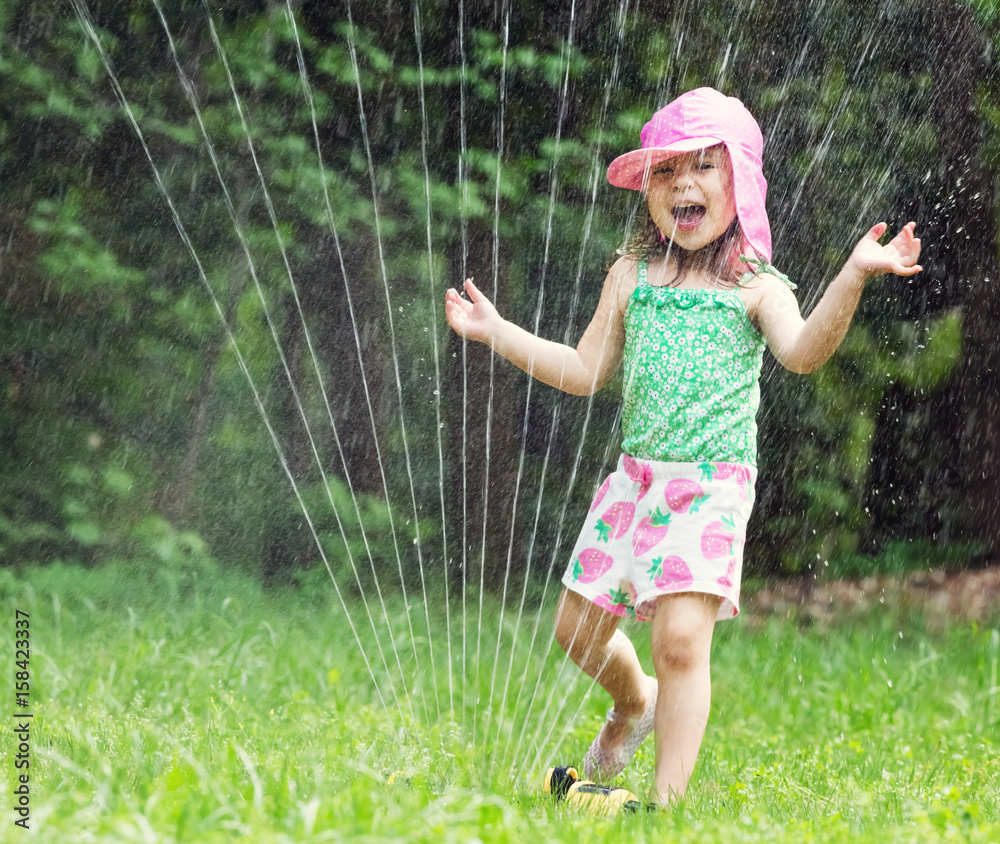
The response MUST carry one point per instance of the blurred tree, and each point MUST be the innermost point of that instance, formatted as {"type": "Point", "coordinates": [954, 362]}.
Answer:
{"type": "Point", "coordinates": [372, 154]}
{"type": "Point", "coordinates": [966, 92]}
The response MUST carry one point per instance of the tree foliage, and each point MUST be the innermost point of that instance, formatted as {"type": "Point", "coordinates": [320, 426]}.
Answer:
{"type": "Point", "coordinates": [229, 228]}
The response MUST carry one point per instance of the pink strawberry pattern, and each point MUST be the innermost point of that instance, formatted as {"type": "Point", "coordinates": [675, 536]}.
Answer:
{"type": "Point", "coordinates": [599, 497]}
{"type": "Point", "coordinates": [641, 473]}
{"type": "Point", "coordinates": [590, 565]}
{"type": "Point", "coordinates": [623, 601]}
{"type": "Point", "coordinates": [718, 537]}
{"type": "Point", "coordinates": [670, 573]}
{"type": "Point", "coordinates": [684, 496]}
{"type": "Point", "coordinates": [690, 537]}
{"type": "Point", "coordinates": [722, 471]}
{"type": "Point", "coordinates": [726, 581]}
{"type": "Point", "coordinates": [619, 596]}
{"type": "Point", "coordinates": [606, 603]}
{"type": "Point", "coordinates": [650, 531]}
{"type": "Point", "coordinates": [616, 521]}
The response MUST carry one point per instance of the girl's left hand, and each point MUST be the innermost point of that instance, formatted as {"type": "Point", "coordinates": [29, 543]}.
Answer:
{"type": "Point", "coordinates": [898, 256]}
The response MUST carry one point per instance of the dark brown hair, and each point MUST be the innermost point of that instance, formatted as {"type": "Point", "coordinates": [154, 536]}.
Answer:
{"type": "Point", "coordinates": [648, 242]}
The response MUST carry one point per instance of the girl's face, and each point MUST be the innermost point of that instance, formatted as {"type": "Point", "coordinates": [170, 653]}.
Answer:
{"type": "Point", "coordinates": [690, 196]}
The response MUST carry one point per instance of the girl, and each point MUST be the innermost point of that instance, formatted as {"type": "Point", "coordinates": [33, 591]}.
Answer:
{"type": "Point", "coordinates": [688, 308]}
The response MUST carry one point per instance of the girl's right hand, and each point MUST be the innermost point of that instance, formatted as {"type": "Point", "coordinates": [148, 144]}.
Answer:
{"type": "Point", "coordinates": [474, 320]}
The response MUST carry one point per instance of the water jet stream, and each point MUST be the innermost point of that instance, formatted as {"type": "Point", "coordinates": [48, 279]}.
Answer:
{"type": "Point", "coordinates": [489, 406]}
{"type": "Point", "coordinates": [597, 173]}
{"type": "Point", "coordinates": [307, 91]}
{"type": "Point", "coordinates": [424, 131]}
{"type": "Point", "coordinates": [554, 183]}
{"type": "Point", "coordinates": [506, 742]}
{"type": "Point", "coordinates": [86, 22]}
{"type": "Point", "coordinates": [395, 361]}
{"type": "Point", "coordinates": [193, 101]}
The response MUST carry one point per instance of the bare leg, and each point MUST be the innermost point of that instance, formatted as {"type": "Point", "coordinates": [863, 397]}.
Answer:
{"type": "Point", "coordinates": [681, 640]}
{"type": "Point", "coordinates": [591, 638]}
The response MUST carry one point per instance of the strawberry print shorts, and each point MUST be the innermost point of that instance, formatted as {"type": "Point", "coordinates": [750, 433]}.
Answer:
{"type": "Point", "coordinates": [658, 528]}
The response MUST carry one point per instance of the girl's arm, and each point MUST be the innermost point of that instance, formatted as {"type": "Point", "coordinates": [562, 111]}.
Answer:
{"type": "Point", "coordinates": [805, 345]}
{"type": "Point", "coordinates": [580, 371]}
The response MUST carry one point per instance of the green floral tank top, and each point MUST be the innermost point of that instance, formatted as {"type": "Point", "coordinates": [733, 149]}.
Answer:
{"type": "Point", "coordinates": [692, 375]}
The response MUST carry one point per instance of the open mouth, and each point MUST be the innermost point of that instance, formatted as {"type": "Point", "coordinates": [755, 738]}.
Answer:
{"type": "Point", "coordinates": [688, 216]}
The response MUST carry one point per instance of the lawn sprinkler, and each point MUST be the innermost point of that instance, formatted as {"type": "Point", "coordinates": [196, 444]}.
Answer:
{"type": "Point", "coordinates": [565, 785]}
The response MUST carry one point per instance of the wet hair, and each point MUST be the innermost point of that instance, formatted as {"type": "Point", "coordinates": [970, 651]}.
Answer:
{"type": "Point", "coordinates": [718, 257]}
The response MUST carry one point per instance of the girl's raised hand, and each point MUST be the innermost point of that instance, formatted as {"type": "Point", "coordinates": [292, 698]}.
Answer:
{"type": "Point", "coordinates": [898, 256]}
{"type": "Point", "coordinates": [474, 318]}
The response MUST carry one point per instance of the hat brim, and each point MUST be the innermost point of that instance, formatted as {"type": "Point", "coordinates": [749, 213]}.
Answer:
{"type": "Point", "coordinates": [631, 169]}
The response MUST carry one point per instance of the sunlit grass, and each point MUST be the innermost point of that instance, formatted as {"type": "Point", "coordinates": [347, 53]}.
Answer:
{"type": "Point", "coordinates": [195, 706]}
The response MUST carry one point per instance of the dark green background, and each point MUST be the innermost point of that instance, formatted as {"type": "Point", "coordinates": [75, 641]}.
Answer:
{"type": "Point", "coordinates": [463, 139]}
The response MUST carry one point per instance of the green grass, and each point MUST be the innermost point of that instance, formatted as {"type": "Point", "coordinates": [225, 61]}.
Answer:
{"type": "Point", "coordinates": [194, 706]}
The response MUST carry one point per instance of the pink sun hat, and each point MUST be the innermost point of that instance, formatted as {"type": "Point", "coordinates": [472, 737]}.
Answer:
{"type": "Point", "coordinates": [699, 119]}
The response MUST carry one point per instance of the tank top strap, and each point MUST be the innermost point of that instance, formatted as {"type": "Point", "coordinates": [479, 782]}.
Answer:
{"type": "Point", "coordinates": [643, 268]}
